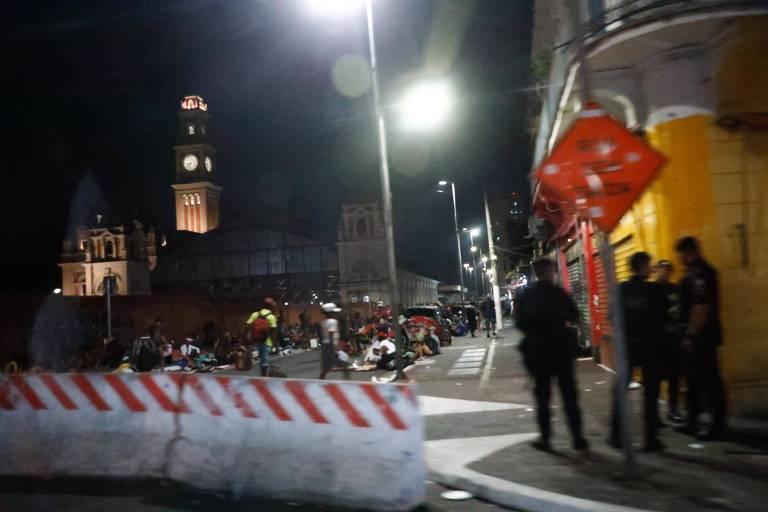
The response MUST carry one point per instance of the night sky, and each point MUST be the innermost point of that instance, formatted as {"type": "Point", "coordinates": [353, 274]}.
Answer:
{"type": "Point", "coordinates": [92, 92]}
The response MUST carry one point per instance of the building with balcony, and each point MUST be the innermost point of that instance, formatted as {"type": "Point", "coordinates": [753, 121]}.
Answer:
{"type": "Point", "coordinates": [690, 78]}
{"type": "Point", "coordinates": [125, 251]}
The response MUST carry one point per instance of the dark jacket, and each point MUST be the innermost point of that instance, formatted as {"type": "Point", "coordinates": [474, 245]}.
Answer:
{"type": "Point", "coordinates": [644, 306]}
{"type": "Point", "coordinates": [700, 286]}
{"type": "Point", "coordinates": [542, 312]}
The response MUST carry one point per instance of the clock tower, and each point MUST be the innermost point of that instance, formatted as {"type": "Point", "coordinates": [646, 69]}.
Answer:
{"type": "Point", "coordinates": [195, 190]}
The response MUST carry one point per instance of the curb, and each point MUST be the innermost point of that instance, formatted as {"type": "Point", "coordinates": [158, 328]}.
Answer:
{"type": "Point", "coordinates": [511, 494]}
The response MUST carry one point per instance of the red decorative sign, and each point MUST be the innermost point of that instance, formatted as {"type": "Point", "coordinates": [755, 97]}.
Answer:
{"type": "Point", "coordinates": [600, 167]}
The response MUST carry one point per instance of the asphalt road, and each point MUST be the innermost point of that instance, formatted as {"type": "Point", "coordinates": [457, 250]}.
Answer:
{"type": "Point", "coordinates": [478, 372]}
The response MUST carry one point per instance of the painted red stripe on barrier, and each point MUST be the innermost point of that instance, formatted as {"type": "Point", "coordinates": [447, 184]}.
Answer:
{"type": "Point", "coordinates": [57, 391]}
{"type": "Point", "coordinates": [27, 391]}
{"type": "Point", "coordinates": [407, 393]}
{"type": "Point", "coordinates": [125, 393]}
{"type": "Point", "coordinates": [5, 399]}
{"type": "Point", "coordinates": [237, 398]}
{"type": "Point", "coordinates": [203, 395]}
{"type": "Point", "coordinates": [270, 400]}
{"type": "Point", "coordinates": [383, 406]}
{"type": "Point", "coordinates": [81, 381]}
{"type": "Point", "coordinates": [349, 410]}
{"type": "Point", "coordinates": [178, 379]}
{"type": "Point", "coordinates": [297, 390]}
{"type": "Point", "coordinates": [160, 397]}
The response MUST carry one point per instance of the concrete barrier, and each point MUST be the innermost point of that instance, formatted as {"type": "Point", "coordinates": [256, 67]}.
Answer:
{"type": "Point", "coordinates": [354, 444]}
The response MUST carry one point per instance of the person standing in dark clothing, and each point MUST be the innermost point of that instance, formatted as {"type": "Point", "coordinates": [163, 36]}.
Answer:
{"type": "Point", "coordinates": [471, 319]}
{"type": "Point", "coordinates": [644, 309]}
{"type": "Point", "coordinates": [489, 314]}
{"type": "Point", "coordinates": [672, 356]}
{"type": "Point", "coordinates": [549, 348]}
{"type": "Point", "coordinates": [700, 312]}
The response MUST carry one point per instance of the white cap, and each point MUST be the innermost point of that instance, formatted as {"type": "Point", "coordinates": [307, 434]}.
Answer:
{"type": "Point", "coordinates": [330, 307]}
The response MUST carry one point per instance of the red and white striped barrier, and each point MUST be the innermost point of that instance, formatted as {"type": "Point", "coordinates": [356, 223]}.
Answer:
{"type": "Point", "coordinates": [356, 444]}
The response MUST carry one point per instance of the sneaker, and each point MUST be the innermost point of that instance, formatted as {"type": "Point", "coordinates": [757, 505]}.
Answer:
{"type": "Point", "coordinates": [580, 444]}
{"type": "Point", "coordinates": [541, 445]}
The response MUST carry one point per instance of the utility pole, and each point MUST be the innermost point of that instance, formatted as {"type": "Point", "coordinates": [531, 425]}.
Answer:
{"type": "Point", "coordinates": [386, 192]}
{"type": "Point", "coordinates": [494, 279]}
{"type": "Point", "coordinates": [458, 240]}
{"type": "Point", "coordinates": [609, 264]}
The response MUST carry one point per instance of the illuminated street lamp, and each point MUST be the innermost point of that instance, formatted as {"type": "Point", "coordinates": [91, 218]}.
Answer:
{"type": "Point", "coordinates": [484, 259]}
{"type": "Point", "coordinates": [473, 249]}
{"type": "Point", "coordinates": [426, 106]}
{"type": "Point", "coordinates": [466, 266]}
{"type": "Point", "coordinates": [338, 8]}
{"type": "Point", "coordinates": [444, 183]}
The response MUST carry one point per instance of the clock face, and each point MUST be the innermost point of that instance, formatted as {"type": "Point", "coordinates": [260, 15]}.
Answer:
{"type": "Point", "coordinates": [208, 164]}
{"type": "Point", "coordinates": [190, 162]}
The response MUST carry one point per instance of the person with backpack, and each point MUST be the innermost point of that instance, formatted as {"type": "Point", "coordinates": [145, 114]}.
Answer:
{"type": "Point", "coordinates": [263, 332]}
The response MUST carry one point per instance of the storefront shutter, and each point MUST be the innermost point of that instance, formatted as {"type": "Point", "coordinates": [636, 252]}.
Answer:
{"type": "Point", "coordinates": [580, 295]}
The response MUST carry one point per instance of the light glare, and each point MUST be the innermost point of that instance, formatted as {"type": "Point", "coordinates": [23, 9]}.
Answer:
{"type": "Point", "coordinates": [333, 8]}
{"type": "Point", "coordinates": [426, 106]}
{"type": "Point", "coordinates": [474, 231]}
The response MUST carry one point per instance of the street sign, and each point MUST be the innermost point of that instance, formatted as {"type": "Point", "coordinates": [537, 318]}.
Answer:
{"type": "Point", "coordinates": [110, 285]}
{"type": "Point", "coordinates": [600, 167]}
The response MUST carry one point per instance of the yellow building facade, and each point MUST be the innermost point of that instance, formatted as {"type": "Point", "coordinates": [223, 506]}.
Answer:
{"type": "Point", "coordinates": [691, 78]}
{"type": "Point", "coordinates": [714, 186]}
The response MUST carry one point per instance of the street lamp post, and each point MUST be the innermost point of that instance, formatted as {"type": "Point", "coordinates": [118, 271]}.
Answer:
{"type": "Point", "coordinates": [473, 250]}
{"type": "Point", "coordinates": [443, 183]}
{"type": "Point", "coordinates": [434, 110]}
{"type": "Point", "coordinates": [386, 193]}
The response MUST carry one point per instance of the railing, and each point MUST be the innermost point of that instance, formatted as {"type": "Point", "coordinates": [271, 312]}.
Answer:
{"type": "Point", "coordinates": [607, 15]}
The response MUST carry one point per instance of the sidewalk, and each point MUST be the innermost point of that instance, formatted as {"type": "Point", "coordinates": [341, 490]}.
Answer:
{"type": "Point", "coordinates": [687, 476]}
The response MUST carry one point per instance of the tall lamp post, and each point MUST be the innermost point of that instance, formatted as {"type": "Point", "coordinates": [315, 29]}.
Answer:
{"type": "Point", "coordinates": [443, 183]}
{"type": "Point", "coordinates": [472, 249]}
{"type": "Point", "coordinates": [426, 106]}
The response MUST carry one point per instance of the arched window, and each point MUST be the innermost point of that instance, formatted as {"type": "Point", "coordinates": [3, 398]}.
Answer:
{"type": "Point", "coordinates": [109, 249]}
{"type": "Point", "coordinates": [361, 228]}
{"type": "Point", "coordinates": [197, 198]}
{"type": "Point", "coordinates": [186, 199]}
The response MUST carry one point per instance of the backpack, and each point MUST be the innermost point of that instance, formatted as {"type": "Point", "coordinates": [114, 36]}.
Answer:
{"type": "Point", "coordinates": [260, 329]}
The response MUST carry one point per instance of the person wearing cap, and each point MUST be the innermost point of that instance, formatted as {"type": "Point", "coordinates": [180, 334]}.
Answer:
{"type": "Point", "coordinates": [267, 312]}
{"type": "Point", "coordinates": [671, 354]}
{"type": "Point", "coordinates": [329, 340]}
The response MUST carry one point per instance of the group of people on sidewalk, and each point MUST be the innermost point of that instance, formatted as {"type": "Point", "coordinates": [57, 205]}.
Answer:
{"type": "Point", "coordinates": [671, 331]}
